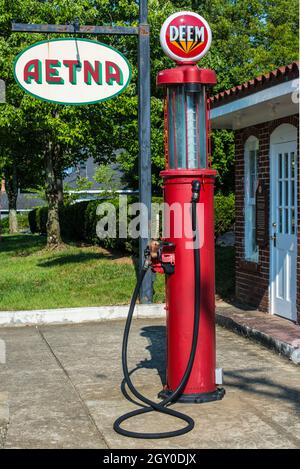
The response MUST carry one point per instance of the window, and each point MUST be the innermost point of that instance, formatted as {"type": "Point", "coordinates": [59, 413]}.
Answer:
{"type": "Point", "coordinates": [251, 151]}
{"type": "Point", "coordinates": [286, 190]}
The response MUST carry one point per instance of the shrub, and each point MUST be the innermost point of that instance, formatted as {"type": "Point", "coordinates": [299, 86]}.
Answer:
{"type": "Point", "coordinates": [32, 219]}
{"type": "Point", "coordinates": [72, 221]}
{"type": "Point", "coordinates": [42, 216]}
{"type": "Point", "coordinates": [224, 213]}
{"type": "Point", "coordinates": [124, 244]}
{"type": "Point", "coordinates": [23, 222]}
{"type": "Point", "coordinates": [38, 220]}
{"type": "Point", "coordinates": [90, 222]}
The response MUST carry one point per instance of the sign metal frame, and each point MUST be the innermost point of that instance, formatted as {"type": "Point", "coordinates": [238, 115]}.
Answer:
{"type": "Point", "coordinates": [144, 121]}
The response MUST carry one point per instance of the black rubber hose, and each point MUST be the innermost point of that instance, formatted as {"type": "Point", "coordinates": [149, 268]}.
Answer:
{"type": "Point", "coordinates": [162, 406]}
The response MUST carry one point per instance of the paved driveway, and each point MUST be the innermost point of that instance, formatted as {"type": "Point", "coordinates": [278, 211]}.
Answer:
{"type": "Point", "coordinates": [60, 388]}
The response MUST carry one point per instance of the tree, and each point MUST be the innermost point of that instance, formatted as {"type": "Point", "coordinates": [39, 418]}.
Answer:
{"type": "Point", "coordinates": [105, 175]}
{"type": "Point", "coordinates": [249, 38]}
{"type": "Point", "coordinates": [62, 139]}
{"type": "Point", "coordinates": [8, 171]}
{"type": "Point", "coordinates": [56, 136]}
{"type": "Point", "coordinates": [15, 159]}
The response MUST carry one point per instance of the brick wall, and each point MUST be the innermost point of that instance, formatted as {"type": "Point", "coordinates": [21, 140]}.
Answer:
{"type": "Point", "coordinates": [252, 279]}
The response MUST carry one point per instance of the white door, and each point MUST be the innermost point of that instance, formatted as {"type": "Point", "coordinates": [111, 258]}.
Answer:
{"type": "Point", "coordinates": [283, 242]}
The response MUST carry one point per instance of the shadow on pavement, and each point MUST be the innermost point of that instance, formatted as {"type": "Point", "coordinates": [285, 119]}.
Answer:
{"type": "Point", "coordinates": [156, 337]}
{"type": "Point", "coordinates": [251, 380]}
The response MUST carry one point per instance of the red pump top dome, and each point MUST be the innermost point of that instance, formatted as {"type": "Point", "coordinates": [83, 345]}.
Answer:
{"type": "Point", "coordinates": [186, 74]}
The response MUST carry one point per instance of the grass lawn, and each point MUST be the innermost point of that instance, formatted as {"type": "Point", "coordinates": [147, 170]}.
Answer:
{"type": "Point", "coordinates": [33, 278]}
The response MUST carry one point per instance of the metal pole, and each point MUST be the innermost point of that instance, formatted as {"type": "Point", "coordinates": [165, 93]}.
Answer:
{"type": "Point", "coordinates": [146, 292]}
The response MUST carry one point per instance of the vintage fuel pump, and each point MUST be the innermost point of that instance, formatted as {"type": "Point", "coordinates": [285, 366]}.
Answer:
{"type": "Point", "coordinates": [186, 253]}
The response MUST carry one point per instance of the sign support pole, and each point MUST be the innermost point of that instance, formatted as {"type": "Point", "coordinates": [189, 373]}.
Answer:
{"type": "Point", "coordinates": [143, 34]}
{"type": "Point", "coordinates": [144, 144]}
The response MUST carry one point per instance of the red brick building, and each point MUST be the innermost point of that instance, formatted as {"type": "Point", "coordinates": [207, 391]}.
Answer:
{"type": "Point", "coordinates": [264, 114]}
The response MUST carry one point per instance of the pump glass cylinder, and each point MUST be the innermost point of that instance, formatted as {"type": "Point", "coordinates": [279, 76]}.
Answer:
{"type": "Point", "coordinates": [187, 127]}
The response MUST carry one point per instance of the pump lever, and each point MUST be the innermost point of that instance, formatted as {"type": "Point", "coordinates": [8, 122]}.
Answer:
{"type": "Point", "coordinates": [162, 255]}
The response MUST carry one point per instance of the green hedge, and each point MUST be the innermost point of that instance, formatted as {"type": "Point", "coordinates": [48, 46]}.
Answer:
{"type": "Point", "coordinates": [224, 213]}
{"type": "Point", "coordinates": [38, 219]}
{"type": "Point", "coordinates": [22, 223]}
{"type": "Point", "coordinates": [78, 221]}
{"type": "Point", "coordinates": [71, 220]}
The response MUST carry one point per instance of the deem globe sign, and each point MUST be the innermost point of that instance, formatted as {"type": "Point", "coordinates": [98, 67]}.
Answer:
{"type": "Point", "coordinates": [185, 37]}
{"type": "Point", "coordinates": [72, 71]}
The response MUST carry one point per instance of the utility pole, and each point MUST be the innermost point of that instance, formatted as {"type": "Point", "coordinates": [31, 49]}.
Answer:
{"type": "Point", "coordinates": [146, 291]}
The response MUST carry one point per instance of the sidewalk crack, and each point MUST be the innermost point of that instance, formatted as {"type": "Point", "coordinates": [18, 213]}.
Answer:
{"type": "Point", "coordinates": [85, 407]}
{"type": "Point", "coordinates": [269, 421]}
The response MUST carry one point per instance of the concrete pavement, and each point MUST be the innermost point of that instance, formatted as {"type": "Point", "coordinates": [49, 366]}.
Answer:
{"type": "Point", "coordinates": [60, 388]}
{"type": "Point", "coordinates": [272, 331]}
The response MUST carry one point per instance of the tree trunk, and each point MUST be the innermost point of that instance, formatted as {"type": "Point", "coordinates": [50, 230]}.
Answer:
{"type": "Point", "coordinates": [12, 195]}
{"type": "Point", "coordinates": [60, 189]}
{"type": "Point", "coordinates": [52, 194]}
{"type": "Point", "coordinates": [2, 190]}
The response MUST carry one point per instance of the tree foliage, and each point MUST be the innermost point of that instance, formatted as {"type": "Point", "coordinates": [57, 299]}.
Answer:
{"type": "Point", "coordinates": [249, 38]}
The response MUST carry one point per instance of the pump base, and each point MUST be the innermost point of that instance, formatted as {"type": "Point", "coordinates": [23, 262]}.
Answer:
{"type": "Point", "coordinates": [200, 398]}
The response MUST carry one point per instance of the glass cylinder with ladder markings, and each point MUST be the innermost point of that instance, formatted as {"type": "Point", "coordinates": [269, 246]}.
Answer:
{"type": "Point", "coordinates": [187, 132]}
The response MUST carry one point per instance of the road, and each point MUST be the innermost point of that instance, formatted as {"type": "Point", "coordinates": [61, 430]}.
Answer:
{"type": "Point", "coordinates": [60, 388]}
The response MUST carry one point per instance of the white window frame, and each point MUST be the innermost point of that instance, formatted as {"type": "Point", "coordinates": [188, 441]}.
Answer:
{"type": "Point", "coordinates": [251, 255]}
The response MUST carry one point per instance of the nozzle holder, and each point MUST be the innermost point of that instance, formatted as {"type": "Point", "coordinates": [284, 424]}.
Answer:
{"type": "Point", "coordinates": [196, 185]}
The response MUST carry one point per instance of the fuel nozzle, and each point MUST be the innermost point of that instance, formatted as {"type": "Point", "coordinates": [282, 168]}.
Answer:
{"type": "Point", "coordinates": [195, 191]}
{"type": "Point", "coordinates": [154, 247]}
{"type": "Point", "coordinates": [152, 251]}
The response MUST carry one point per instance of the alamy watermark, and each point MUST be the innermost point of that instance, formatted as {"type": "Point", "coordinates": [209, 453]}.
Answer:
{"type": "Point", "coordinates": [167, 221]}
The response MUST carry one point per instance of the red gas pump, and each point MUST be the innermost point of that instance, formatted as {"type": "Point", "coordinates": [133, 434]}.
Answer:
{"type": "Point", "coordinates": [188, 160]}
{"type": "Point", "coordinates": [186, 253]}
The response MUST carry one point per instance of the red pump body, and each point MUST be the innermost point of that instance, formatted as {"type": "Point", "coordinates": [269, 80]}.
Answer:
{"type": "Point", "coordinates": [180, 286]}
{"type": "Point", "coordinates": [183, 109]}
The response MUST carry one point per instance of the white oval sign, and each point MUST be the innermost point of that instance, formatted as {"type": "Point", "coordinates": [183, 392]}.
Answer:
{"type": "Point", "coordinates": [72, 71]}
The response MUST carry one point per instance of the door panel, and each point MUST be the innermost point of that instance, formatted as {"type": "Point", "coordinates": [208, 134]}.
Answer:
{"type": "Point", "coordinates": [284, 230]}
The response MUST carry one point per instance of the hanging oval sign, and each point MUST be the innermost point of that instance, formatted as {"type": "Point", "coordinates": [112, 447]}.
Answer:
{"type": "Point", "coordinates": [72, 71]}
{"type": "Point", "coordinates": [185, 37]}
